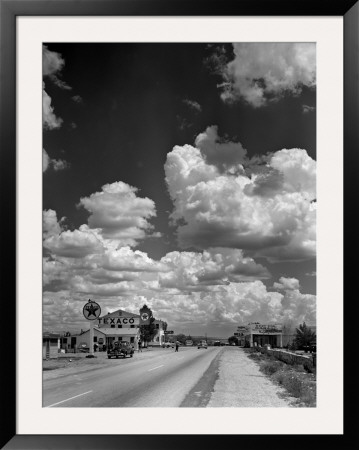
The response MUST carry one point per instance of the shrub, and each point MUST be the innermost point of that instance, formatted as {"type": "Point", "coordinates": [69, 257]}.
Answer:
{"type": "Point", "coordinates": [293, 385]}
{"type": "Point", "coordinates": [309, 397]}
{"type": "Point", "coordinates": [279, 377]}
{"type": "Point", "coordinates": [270, 367]}
{"type": "Point", "coordinates": [295, 379]}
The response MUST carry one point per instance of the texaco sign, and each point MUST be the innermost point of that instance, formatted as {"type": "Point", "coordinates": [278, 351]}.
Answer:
{"type": "Point", "coordinates": [91, 310]}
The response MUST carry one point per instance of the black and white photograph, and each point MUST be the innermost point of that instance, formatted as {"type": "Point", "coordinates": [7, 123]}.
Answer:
{"type": "Point", "coordinates": [179, 225]}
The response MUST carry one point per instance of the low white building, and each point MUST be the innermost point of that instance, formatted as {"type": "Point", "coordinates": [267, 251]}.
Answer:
{"type": "Point", "coordinates": [50, 345]}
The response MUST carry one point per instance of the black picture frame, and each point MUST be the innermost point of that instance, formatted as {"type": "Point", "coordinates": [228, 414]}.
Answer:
{"type": "Point", "coordinates": [10, 9]}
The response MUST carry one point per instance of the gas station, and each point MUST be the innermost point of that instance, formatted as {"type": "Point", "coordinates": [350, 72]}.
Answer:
{"type": "Point", "coordinates": [114, 326]}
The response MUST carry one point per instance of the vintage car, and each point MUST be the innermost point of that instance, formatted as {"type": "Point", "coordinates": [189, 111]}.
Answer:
{"type": "Point", "coordinates": [120, 348]}
{"type": "Point", "coordinates": [202, 344]}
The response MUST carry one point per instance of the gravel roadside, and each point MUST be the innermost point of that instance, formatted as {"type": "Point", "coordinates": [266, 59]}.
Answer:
{"type": "Point", "coordinates": [241, 384]}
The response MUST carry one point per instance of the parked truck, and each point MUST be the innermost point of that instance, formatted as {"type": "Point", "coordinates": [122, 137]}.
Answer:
{"type": "Point", "coordinates": [120, 348]}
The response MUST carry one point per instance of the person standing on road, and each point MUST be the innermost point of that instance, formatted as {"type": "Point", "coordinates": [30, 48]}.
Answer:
{"type": "Point", "coordinates": [176, 347]}
{"type": "Point", "coordinates": [139, 346]}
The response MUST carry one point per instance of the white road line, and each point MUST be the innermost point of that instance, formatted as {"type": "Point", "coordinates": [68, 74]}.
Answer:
{"type": "Point", "coordinates": [62, 401]}
{"type": "Point", "coordinates": [154, 368]}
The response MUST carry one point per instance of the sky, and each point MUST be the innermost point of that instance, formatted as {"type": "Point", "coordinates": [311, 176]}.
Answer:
{"type": "Point", "coordinates": [181, 176]}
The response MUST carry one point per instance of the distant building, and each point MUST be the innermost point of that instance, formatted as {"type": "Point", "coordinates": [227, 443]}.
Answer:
{"type": "Point", "coordinates": [275, 335]}
{"type": "Point", "coordinates": [50, 345]}
{"type": "Point", "coordinates": [255, 334]}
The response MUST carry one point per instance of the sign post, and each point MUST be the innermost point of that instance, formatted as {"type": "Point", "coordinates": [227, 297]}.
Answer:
{"type": "Point", "coordinates": [91, 312]}
{"type": "Point", "coordinates": [145, 315]}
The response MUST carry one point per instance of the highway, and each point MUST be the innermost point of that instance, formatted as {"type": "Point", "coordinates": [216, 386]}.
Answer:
{"type": "Point", "coordinates": [158, 379]}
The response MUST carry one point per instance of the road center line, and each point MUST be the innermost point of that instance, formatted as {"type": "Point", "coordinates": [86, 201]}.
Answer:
{"type": "Point", "coordinates": [154, 368]}
{"type": "Point", "coordinates": [62, 401]}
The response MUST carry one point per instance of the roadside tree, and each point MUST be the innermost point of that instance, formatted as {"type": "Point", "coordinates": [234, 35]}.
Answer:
{"type": "Point", "coordinates": [305, 338]}
{"type": "Point", "coordinates": [233, 340]}
{"type": "Point", "coordinates": [148, 332]}
{"type": "Point", "coordinates": [181, 338]}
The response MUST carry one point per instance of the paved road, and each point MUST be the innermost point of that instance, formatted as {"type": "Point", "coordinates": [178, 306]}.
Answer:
{"type": "Point", "coordinates": [162, 379]}
{"type": "Point", "coordinates": [216, 377]}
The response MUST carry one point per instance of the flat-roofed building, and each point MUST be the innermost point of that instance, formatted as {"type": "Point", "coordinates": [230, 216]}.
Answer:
{"type": "Point", "coordinates": [256, 334]}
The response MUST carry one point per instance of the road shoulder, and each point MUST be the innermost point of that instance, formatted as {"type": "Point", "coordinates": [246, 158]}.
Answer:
{"type": "Point", "coordinates": [241, 384]}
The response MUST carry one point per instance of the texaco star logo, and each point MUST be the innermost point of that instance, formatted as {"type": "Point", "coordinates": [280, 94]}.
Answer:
{"type": "Point", "coordinates": [145, 316]}
{"type": "Point", "coordinates": [91, 310]}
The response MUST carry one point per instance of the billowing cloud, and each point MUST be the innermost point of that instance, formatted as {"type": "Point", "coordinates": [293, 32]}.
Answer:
{"type": "Point", "coordinates": [307, 109]}
{"type": "Point", "coordinates": [52, 65]}
{"type": "Point", "coordinates": [74, 244]}
{"type": "Point", "coordinates": [125, 259]}
{"type": "Point", "coordinates": [227, 306]}
{"type": "Point", "coordinates": [52, 62]}
{"type": "Point", "coordinates": [49, 120]}
{"type": "Point", "coordinates": [224, 155]}
{"type": "Point", "coordinates": [56, 164]}
{"type": "Point", "coordinates": [50, 225]}
{"type": "Point", "coordinates": [287, 284]}
{"type": "Point", "coordinates": [77, 99]}
{"type": "Point", "coordinates": [119, 213]}
{"type": "Point", "coordinates": [262, 72]}
{"type": "Point", "coordinates": [191, 271]}
{"type": "Point", "coordinates": [216, 289]}
{"type": "Point", "coordinates": [59, 164]}
{"type": "Point", "coordinates": [220, 308]}
{"type": "Point", "coordinates": [269, 212]}
{"type": "Point", "coordinates": [193, 105]}
{"type": "Point", "coordinates": [45, 160]}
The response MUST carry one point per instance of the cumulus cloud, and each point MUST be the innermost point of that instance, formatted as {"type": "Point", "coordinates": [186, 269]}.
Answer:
{"type": "Point", "coordinates": [287, 284]}
{"type": "Point", "coordinates": [262, 72]}
{"type": "Point", "coordinates": [191, 271]}
{"type": "Point", "coordinates": [307, 109]}
{"type": "Point", "coordinates": [59, 164]}
{"type": "Point", "coordinates": [52, 65]}
{"type": "Point", "coordinates": [74, 244]}
{"type": "Point", "coordinates": [219, 308]}
{"type": "Point", "coordinates": [221, 153]}
{"type": "Point", "coordinates": [49, 120]}
{"type": "Point", "coordinates": [52, 62]}
{"type": "Point", "coordinates": [217, 288]}
{"type": "Point", "coordinates": [96, 258]}
{"type": "Point", "coordinates": [77, 99]}
{"type": "Point", "coordinates": [56, 164]}
{"type": "Point", "coordinates": [125, 259]}
{"type": "Point", "coordinates": [50, 225]}
{"type": "Point", "coordinates": [45, 160]}
{"type": "Point", "coordinates": [217, 204]}
{"type": "Point", "coordinates": [193, 105]}
{"type": "Point", "coordinates": [230, 305]}
{"type": "Point", "coordinates": [119, 213]}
